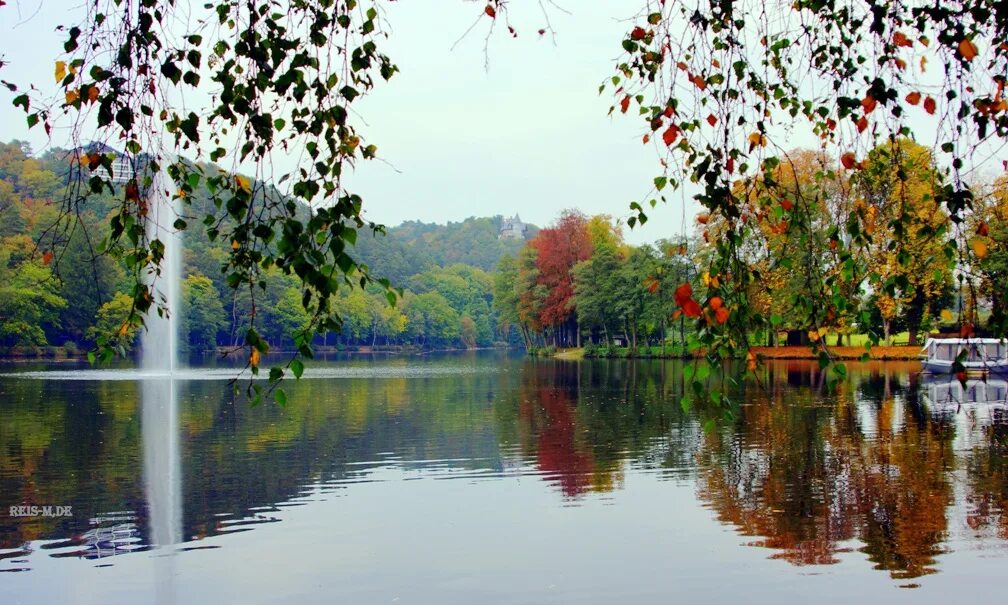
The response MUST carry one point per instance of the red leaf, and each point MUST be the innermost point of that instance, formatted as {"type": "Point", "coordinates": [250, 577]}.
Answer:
{"type": "Point", "coordinates": [786, 204]}
{"type": "Point", "coordinates": [868, 104]}
{"type": "Point", "coordinates": [862, 124]}
{"type": "Point", "coordinates": [47, 257]}
{"type": "Point", "coordinates": [691, 308]}
{"type": "Point", "coordinates": [683, 293]}
{"type": "Point", "coordinates": [913, 98]}
{"type": "Point", "coordinates": [712, 119]}
{"type": "Point", "coordinates": [638, 33]}
{"type": "Point", "coordinates": [625, 104]}
{"type": "Point", "coordinates": [930, 105]}
{"type": "Point", "coordinates": [967, 49]}
{"type": "Point", "coordinates": [671, 134]}
{"type": "Point", "coordinates": [721, 314]}
{"type": "Point", "coordinates": [490, 11]}
{"type": "Point", "coordinates": [715, 303]}
{"type": "Point", "coordinates": [645, 139]}
{"type": "Point", "coordinates": [900, 39]}
{"type": "Point", "coordinates": [848, 160]}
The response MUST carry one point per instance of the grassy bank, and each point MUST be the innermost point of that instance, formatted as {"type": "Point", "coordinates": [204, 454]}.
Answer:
{"type": "Point", "coordinates": [879, 352]}
{"type": "Point", "coordinates": [799, 352]}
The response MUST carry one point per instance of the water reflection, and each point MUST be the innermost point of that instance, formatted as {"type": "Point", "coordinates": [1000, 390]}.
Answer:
{"type": "Point", "coordinates": [162, 477]}
{"type": "Point", "coordinates": [883, 467]}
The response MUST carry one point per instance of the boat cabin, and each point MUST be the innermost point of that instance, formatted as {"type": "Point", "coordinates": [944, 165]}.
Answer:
{"type": "Point", "coordinates": [982, 353]}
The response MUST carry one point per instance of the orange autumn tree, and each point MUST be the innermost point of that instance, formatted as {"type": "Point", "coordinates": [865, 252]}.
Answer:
{"type": "Point", "coordinates": [789, 219]}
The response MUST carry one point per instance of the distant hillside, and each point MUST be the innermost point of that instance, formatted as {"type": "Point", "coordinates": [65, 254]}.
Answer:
{"type": "Point", "coordinates": [413, 246]}
{"type": "Point", "coordinates": [68, 296]}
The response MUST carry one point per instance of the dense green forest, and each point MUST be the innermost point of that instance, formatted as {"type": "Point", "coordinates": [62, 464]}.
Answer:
{"type": "Point", "coordinates": [67, 296]}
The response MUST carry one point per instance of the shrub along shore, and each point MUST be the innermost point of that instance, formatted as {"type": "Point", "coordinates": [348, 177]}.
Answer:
{"type": "Point", "coordinates": [879, 353]}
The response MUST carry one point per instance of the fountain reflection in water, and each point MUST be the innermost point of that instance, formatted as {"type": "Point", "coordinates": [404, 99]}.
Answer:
{"type": "Point", "coordinates": [159, 416]}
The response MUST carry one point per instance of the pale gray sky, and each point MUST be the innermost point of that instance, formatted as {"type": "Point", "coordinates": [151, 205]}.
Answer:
{"type": "Point", "coordinates": [529, 135]}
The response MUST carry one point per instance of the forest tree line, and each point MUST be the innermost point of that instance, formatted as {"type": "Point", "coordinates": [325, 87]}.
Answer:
{"type": "Point", "coordinates": [576, 282]}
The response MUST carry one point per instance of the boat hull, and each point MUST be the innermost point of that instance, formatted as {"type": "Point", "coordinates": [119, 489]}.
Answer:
{"type": "Point", "coordinates": [973, 368]}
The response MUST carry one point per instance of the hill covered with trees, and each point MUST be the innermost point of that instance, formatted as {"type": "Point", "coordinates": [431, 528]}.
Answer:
{"type": "Point", "coordinates": [68, 296]}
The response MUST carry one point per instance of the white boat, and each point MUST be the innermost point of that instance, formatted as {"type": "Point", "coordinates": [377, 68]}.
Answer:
{"type": "Point", "coordinates": [983, 355]}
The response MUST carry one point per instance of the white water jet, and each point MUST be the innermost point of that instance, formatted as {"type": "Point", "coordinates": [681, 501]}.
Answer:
{"type": "Point", "coordinates": [159, 340]}
{"type": "Point", "coordinates": [159, 397]}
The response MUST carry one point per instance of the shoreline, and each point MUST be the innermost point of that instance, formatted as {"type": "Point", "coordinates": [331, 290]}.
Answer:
{"type": "Point", "coordinates": [839, 353]}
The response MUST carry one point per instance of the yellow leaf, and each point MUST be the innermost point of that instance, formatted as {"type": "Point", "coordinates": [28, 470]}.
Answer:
{"type": "Point", "coordinates": [234, 244]}
{"type": "Point", "coordinates": [243, 183]}
{"type": "Point", "coordinates": [254, 358]}
{"type": "Point", "coordinates": [72, 96]}
{"type": "Point", "coordinates": [947, 316]}
{"type": "Point", "coordinates": [60, 71]}
{"type": "Point", "coordinates": [979, 248]}
{"type": "Point", "coordinates": [813, 335]}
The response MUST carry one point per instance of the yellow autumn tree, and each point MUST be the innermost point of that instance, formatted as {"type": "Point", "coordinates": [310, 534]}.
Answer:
{"type": "Point", "coordinates": [988, 238]}
{"type": "Point", "coordinates": [909, 268]}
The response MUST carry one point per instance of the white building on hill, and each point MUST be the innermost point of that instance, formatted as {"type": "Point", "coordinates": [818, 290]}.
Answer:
{"type": "Point", "coordinates": [513, 228]}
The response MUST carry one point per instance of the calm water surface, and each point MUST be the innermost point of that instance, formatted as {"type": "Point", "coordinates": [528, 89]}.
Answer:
{"type": "Point", "coordinates": [487, 478]}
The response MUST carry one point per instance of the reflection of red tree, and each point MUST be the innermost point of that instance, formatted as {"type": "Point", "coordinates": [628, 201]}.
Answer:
{"type": "Point", "coordinates": [561, 458]}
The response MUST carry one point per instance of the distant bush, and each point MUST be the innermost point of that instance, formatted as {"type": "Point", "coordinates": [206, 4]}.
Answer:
{"type": "Point", "coordinates": [590, 349]}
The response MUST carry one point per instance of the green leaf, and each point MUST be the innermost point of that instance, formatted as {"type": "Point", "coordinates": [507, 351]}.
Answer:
{"type": "Point", "coordinates": [297, 368]}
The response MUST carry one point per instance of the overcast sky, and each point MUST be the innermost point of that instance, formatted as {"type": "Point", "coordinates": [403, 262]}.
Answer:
{"type": "Point", "coordinates": [529, 135]}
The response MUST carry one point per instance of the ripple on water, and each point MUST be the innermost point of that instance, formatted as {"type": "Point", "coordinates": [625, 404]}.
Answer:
{"type": "Point", "coordinates": [222, 374]}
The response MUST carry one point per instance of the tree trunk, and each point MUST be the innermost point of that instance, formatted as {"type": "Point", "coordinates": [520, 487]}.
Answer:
{"type": "Point", "coordinates": [885, 331]}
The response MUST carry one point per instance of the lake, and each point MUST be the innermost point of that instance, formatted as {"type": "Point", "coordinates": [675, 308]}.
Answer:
{"type": "Point", "coordinates": [492, 478]}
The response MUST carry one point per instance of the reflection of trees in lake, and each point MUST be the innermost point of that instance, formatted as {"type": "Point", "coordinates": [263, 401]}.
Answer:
{"type": "Point", "coordinates": [59, 448]}
{"type": "Point", "coordinates": [987, 476]}
{"type": "Point", "coordinates": [583, 423]}
{"type": "Point", "coordinates": [801, 471]}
